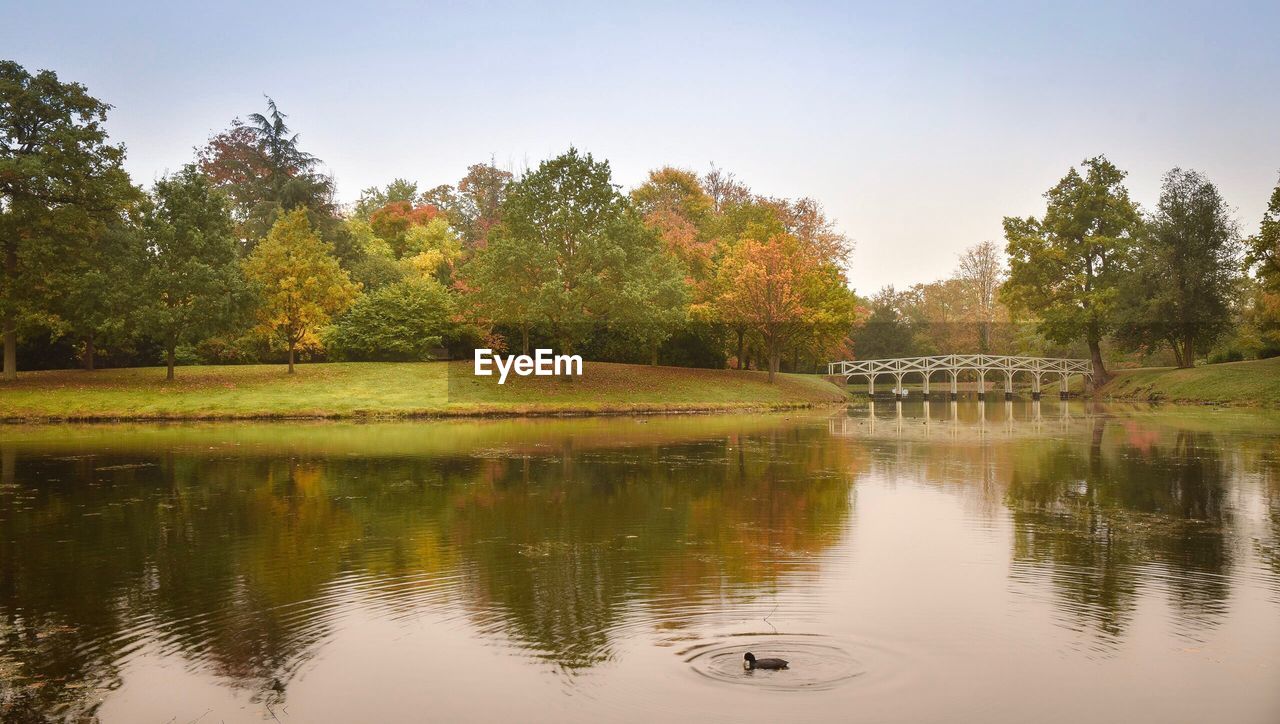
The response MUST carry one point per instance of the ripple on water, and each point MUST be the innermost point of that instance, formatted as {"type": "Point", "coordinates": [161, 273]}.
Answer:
{"type": "Point", "coordinates": [817, 663]}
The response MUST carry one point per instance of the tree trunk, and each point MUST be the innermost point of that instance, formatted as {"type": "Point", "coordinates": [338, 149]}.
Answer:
{"type": "Point", "coordinates": [1100, 375]}
{"type": "Point", "coordinates": [10, 347]}
{"type": "Point", "coordinates": [10, 321]}
{"type": "Point", "coordinates": [774, 359]}
{"type": "Point", "coordinates": [653, 360]}
{"type": "Point", "coordinates": [741, 335]}
{"type": "Point", "coordinates": [171, 358]}
{"type": "Point", "coordinates": [87, 359]}
{"type": "Point", "coordinates": [1188, 352]}
{"type": "Point", "coordinates": [1177, 352]}
{"type": "Point", "coordinates": [291, 358]}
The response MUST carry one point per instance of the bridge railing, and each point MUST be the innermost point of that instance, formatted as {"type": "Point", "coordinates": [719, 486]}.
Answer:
{"type": "Point", "coordinates": [954, 364]}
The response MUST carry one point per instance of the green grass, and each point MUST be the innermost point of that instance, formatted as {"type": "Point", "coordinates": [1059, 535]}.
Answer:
{"type": "Point", "coordinates": [1256, 383]}
{"type": "Point", "coordinates": [354, 390]}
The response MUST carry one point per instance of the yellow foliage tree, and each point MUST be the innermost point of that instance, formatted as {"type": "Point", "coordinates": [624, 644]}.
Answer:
{"type": "Point", "coordinates": [301, 284]}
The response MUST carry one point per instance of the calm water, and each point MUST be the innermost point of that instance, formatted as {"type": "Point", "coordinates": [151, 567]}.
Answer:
{"type": "Point", "coordinates": [1010, 563]}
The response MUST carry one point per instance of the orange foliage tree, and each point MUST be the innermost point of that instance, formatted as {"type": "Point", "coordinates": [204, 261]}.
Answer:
{"type": "Point", "coordinates": [785, 293]}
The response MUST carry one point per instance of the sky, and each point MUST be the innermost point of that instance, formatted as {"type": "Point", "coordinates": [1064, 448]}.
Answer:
{"type": "Point", "coordinates": [918, 126]}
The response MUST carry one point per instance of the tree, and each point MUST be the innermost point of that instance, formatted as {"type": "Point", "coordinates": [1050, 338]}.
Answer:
{"type": "Point", "coordinates": [566, 209]}
{"type": "Point", "coordinates": [57, 171]}
{"type": "Point", "coordinates": [724, 190]}
{"type": "Point", "coordinates": [392, 222]}
{"type": "Point", "coordinates": [807, 221]}
{"type": "Point", "coordinates": [301, 284]}
{"type": "Point", "coordinates": [503, 283]}
{"type": "Point", "coordinates": [101, 289]}
{"type": "Point", "coordinates": [401, 321]}
{"type": "Point", "coordinates": [886, 332]}
{"type": "Point", "coordinates": [266, 173]}
{"type": "Point", "coordinates": [1067, 266]}
{"type": "Point", "coordinates": [782, 291]}
{"type": "Point", "coordinates": [374, 198]}
{"type": "Point", "coordinates": [192, 286]}
{"type": "Point", "coordinates": [674, 205]}
{"type": "Point", "coordinates": [653, 299]}
{"type": "Point", "coordinates": [981, 273]}
{"type": "Point", "coordinates": [1185, 272]}
{"type": "Point", "coordinates": [940, 318]}
{"type": "Point", "coordinates": [479, 199]}
{"type": "Point", "coordinates": [1264, 257]}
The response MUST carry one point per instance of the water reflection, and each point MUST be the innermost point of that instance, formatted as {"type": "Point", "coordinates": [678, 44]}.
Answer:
{"type": "Point", "coordinates": [239, 555]}
{"type": "Point", "coordinates": [246, 551]}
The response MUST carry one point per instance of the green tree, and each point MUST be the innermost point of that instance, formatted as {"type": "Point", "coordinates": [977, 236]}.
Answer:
{"type": "Point", "coordinates": [301, 284]}
{"type": "Point", "coordinates": [1067, 267]}
{"type": "Point", "coordinates": [565, 210]}
{"type": "Point", "coordinates": [399, 322]}
{"type": "Point", "coordinates": [886, 332]}
{"type": "Point", "coordinates": [101, 292]}
{"type": "Point", "coordinates": [652, 298]}
{"type": "Point", "coordinates": [503, 281]}
{"type": "Point", "coordinates": [1185, 271]}
{"type": "Point", "coordinates": [192, 286]}
{"type": "Point", "coordinates": [57, 171]}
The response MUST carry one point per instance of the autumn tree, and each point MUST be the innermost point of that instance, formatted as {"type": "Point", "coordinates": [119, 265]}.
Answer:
{"type": "Point", "coordinates": [479, 199]}
{"type": "Point", "coordinates": [724, 190]}
{"type": "Point", "coordinates": [782, 290]}
{"type": "Point", "coordinates": [192, 284]}
{"type": "Point", "coordinates": [374, 197]}
{"type": "Point", "coordinates": [806, 220]}
{"type": "Point", "coordinates": [392, 222]}
{"type": "Point", "coordinates": [1066, 267]}
{"type": "Point", "coordinates": [1264, 258]}
{"type": "Point", "coordinates": [262, 167]}
{"type": "Point", "coordinates": [57, 172]}
{"type": "Point", "coordinates": [301, 284]}
{"type": "Point", "coordinates": [980, 274]}
{"type": "Point", "coordinates": [1185, 271]}
{"type": "Point", "coordinates": [674, 205]}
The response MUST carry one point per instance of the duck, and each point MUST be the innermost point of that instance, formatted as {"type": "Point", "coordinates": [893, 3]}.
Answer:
{"type": "Point", "coordinates": [749, 662]}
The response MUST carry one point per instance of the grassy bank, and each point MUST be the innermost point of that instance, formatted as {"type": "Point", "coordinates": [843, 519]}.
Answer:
{"type": "Point", "coordinates": [1255, 383]}
{"type": "Point", "coordinates": [342, 390]}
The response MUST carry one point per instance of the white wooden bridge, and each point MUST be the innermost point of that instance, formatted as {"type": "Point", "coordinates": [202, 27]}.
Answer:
{"type": "Point", "coordinates": [1036, 368]}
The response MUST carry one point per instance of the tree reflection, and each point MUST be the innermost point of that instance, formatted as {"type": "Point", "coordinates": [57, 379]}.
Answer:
{"type": "Point", "coordinates": [1123, 512]}
{"type": "Point", "coordinates": [241, 558]}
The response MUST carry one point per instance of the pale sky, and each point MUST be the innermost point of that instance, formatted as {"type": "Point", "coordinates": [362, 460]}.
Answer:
{"type": "Point", "coordinates": [917, 125]}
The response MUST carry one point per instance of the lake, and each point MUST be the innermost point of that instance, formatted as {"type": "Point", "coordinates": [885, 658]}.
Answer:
{"type": "Point", "coordinates": [1006, 562]}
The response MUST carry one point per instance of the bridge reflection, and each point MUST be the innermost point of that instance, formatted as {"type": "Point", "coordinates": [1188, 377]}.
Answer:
{"type": "Point", "coordinates": [959, 420]}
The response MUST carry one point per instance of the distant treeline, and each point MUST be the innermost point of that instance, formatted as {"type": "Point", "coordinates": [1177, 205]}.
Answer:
{"type": "Point", "coordinates": [1173, 285]}
{"type": "Point", "coordinates": [243, 255]}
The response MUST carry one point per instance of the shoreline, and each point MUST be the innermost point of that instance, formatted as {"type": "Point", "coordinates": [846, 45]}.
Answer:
{"type": "Point", "coordinates": [371, 392]}
{"type": "Point", "coordinates": [394, 391]}
{"type": "Point", "coordinates": [622, 410]}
